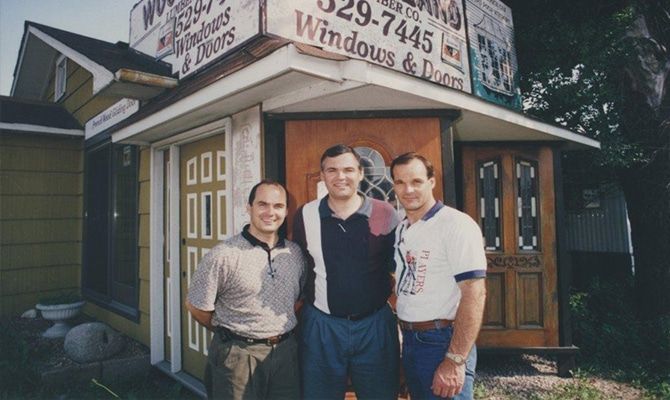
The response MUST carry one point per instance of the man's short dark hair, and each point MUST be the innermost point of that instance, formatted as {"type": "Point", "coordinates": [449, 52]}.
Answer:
{"type": "Point", "coordinates": [406, 158]}
{"type": "Point", "coordinates": [338, 150]}
{"type": "Point", "coordinates": [269, 182]}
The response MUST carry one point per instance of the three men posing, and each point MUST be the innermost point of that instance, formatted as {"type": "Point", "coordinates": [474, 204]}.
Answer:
{"type": "Point", "coordinates": [347, 327]}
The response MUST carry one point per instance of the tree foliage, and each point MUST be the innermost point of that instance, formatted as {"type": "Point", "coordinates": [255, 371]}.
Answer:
{"type": "Point", "coordinates": [600, 68]}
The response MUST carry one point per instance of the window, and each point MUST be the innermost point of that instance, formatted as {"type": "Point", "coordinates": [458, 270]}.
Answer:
{"type": "Point", "coordinates": [489, 190]}
{"type": "Point", "coordinates": [376, 181]}
{"type": "Point", "coordinates": [61, 77]}
{"type": "Point", "coordinates": [110, 261]}
{"type": "Point", "coordinates": [496, 64]}
{"type": "Point", "coordinates": [527, 210]}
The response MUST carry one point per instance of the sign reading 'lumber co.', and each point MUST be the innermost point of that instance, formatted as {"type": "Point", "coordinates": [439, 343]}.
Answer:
{"type": "Point", "coordinates": [192, 33]}
{"type": "Point", "coordinates": [424, 38]}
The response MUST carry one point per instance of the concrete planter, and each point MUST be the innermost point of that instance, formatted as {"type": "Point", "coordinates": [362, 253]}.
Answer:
{"type": "Point", "coordinates": [59, 313]}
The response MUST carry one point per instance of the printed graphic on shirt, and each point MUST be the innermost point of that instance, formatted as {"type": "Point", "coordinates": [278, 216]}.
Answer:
{"type": "Point", "coordinates": [413, 278]}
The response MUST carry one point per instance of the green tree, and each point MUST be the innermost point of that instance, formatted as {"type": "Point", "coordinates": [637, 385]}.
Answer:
{"type": "Point", "coordinates": [600, 67]}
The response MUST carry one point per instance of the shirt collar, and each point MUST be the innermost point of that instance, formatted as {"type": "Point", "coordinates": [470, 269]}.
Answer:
{"type": "Point", "coordinates": [430, 213]}
{"type": "Point", "coordinates": [256, 242]}
{"type": "Point", "coordinates": [433, 210]}
{"type": "Point", "coordinates": [365, 209]}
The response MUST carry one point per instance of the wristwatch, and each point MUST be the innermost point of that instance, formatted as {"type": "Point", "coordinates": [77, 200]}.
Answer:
{"type": "Point", "coordinates": [456, 358]}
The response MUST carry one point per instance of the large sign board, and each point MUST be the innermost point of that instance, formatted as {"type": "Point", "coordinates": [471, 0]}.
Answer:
{"type": "Point", "coordinates": [492, 54]}
{"type": "Point", "coordinates": [423, 38]}
{"type": "Point", "coordinates": [190, 34]}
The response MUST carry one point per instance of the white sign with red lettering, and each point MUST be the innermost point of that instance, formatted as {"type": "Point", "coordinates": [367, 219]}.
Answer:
{"type": "Point", "coordinates": [195, 32]}
{"type": "Point", "coordinates": [424, 38]}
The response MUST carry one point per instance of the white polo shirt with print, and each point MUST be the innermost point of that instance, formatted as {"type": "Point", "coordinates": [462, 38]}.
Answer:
{"type": "Point", "coordinates": [432, 255]}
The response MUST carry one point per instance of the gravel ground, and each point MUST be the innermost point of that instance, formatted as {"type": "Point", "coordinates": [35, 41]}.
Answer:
{"type": "Point", "coordinates": [501, 377]}
{"type": "Point", "coordinates": [533, 377]}
{"type": "Point", "coordinates": [51, 352]}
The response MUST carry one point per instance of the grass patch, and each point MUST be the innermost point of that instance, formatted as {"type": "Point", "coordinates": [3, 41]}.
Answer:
{"type": "Point", "coordinates": [579, 390]}
{"type": "Point", "coordinates": [615, 344]}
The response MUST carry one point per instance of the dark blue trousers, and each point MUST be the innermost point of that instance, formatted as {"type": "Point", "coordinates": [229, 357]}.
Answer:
{"type": "Point", "coordinates": [332, 348]}
{"type": "Point", "coordinates": [422, 352]}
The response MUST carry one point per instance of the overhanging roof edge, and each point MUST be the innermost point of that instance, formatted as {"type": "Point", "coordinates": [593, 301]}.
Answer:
{"type": "Point", "coordinates": [384, 77]}
{"type": "Point", "coordinates": [101, 75]}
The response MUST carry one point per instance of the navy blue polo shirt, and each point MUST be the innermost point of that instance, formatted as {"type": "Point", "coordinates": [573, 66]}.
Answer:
{"type": "Point", "coordinates": [354, 277]}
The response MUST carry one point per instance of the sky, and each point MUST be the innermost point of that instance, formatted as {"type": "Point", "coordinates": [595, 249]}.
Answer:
{"type": "Point", "coordinates": [101, 19]}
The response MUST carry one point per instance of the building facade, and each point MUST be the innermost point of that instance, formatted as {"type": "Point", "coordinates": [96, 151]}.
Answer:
{"type": "Point", "coordinates": [209, 98]}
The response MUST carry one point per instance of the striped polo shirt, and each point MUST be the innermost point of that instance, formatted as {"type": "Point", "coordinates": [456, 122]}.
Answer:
{"type": "Point", "coordinates": [349, 261]}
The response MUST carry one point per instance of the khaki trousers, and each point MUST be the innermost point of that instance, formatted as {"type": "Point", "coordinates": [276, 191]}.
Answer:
{"type": "Point", "coordinates": [238, 370]}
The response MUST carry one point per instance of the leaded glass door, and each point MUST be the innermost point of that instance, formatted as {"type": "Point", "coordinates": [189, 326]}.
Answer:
{"type": "Point", "coordinates": [509, 191]}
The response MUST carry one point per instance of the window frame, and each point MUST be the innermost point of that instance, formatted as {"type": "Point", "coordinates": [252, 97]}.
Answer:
{"type": "Point", "coordinates": [60, 79]}
{"type": "Point", "coordinates": [110, 298]}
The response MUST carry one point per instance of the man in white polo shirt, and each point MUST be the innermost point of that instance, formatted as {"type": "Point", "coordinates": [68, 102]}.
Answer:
{"type": "Point", "coordinates": [440, 266]}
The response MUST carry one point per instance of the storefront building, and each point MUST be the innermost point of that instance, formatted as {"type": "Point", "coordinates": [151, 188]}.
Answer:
{"type": "Point", "coordinates": [210, 97]}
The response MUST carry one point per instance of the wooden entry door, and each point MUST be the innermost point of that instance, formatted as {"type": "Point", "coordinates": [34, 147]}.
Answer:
{"type": "Point", "coordinates": [203, 223]}
{"type": "Point", "coordinates": [378, 141]}
{"type": "Point", "coordinates": [509, 190]}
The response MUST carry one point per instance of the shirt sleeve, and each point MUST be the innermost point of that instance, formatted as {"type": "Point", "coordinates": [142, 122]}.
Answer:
{"type": "Point", "coordinates": [467, 250]}
{"type": "Point", "coordinates": [204, 285]}
{"type": "Point", "coordinates": [298, 231]}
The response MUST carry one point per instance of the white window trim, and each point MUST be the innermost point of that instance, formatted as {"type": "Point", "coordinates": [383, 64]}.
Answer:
{"type": "Point", "coordinates": [60, 82]}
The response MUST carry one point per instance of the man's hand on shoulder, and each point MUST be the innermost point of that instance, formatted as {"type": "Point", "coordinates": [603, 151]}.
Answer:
{"type": "Point", "coordinates": [448, 379]}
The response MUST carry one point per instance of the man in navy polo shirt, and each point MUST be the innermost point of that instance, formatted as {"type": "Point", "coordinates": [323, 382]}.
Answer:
{"type": "Point", "coordinates": [347, 326]}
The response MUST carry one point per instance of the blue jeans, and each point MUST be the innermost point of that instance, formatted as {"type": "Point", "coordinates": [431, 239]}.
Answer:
{"type": "Point", "coordinates": [422, 352]}
{"type": "Point", "coordinates": [333, 348]}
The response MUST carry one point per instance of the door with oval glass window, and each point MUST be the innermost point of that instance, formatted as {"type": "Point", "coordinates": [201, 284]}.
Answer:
{"type": "Point", "coordinates": [377, 140]}
{"type": "Point", "coordinates": [509, 190]}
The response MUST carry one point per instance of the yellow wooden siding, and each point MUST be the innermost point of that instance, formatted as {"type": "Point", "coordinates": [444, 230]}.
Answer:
{"type": "Point", "coordinates": [31, 207]}
{"type": "Point", "coordinates": [40, 159]}
{"type": "Point", "coordinates": [39, 183]}
{"type": "Point", "coordinates": [41, 141]}
{"type": "Point", "coordinates": [39, 279]}
{"type": "Point", "coordinates": [78, 98]}
{"type": "Point", "coordinates": [31, 255]}
{"type": "Point", "coordinates": [73, 74]}
{"type": "Point", "coordinates": [144, 263]}
{"type": "Point", "coordinates": [138, 331]}
{"type": "Point", "coordinates": [39, 231]}
{"type": "Point", "coordinates": [40, 218]}
{"type": "Point", "coordinates": [93, 107]}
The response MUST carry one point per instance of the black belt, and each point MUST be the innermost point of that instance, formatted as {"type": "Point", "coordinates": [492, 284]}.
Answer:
{"type": "Point", "coordinates": [270, 341]}
{"type": "Point", "coordinates": [356, 317]}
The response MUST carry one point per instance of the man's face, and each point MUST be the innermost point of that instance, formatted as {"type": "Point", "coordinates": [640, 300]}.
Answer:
{"type": "Point", "coordinates": [268, 209]}
{"type": "Point", "coordinates": [412, 186]}
{"type": "Point", "coordinates": [341, 174]}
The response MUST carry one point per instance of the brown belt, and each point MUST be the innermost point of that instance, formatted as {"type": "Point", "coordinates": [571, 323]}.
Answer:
{"type": "Point", "coordinates": [424, 325]}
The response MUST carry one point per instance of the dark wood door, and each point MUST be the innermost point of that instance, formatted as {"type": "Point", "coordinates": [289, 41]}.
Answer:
{"type": "Point", "coordinates": [379, 141]}
{"type": "Point", "coordinates": [509, 190]}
